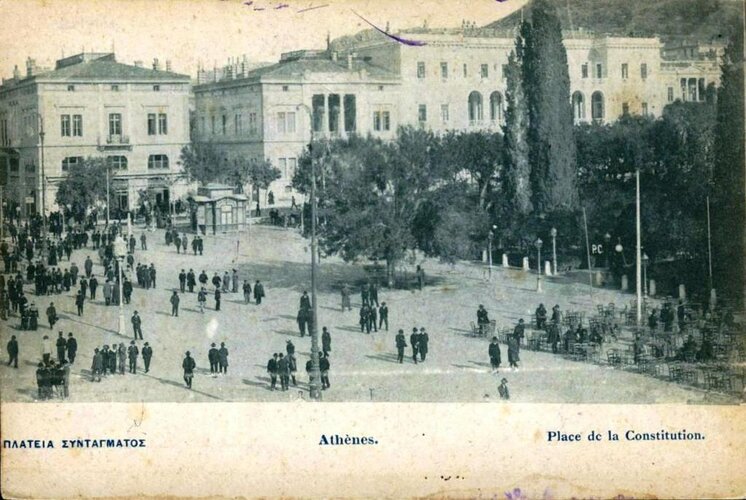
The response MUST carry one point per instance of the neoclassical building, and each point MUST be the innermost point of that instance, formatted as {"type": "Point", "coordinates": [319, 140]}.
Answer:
{"type": "Point", "coordinates": [90, 105]}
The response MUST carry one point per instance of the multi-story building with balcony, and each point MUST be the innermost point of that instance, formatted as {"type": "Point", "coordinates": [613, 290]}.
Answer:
{"type": "Point", "coordinates": [90, 105]}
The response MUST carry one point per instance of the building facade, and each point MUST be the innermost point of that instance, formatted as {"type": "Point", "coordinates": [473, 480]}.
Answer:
{"type": "Point", "coordinates": [90, 105]}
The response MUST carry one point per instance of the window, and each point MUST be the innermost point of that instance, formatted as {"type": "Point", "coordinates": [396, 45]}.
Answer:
{"type": "Point", "coordinates": [157, 161]}
{"type": "Point", "coordinates": [625, 108]}
{"type": "Point", "coordinates": [599, 70]}
{"type": "Point", "coordinates": [381, 121]}
{"type": "Point", "coordinates": [151, 124]}
{"type": "Point", "coordinates": [117, 162]}
{"type": "Point", "coordinates": [670, 94]}
{"type": "Point", "coordinates": [643, 71]}
{"type": "Point", "coordinates": [282, 164]}
{"type": "Point", "coordinates": [70, 162]}
{"type": "Point", "coordinates": [625, 71]}
{"type": "Point", "coordinates": [318, 105]}
{"type": "Point", "coordinates": [71, 88]}
{"type": "Point", "coordinates": [422, 113]}
{"type": "Point", "coordinates": [578, 106]}
{"type": "Point", "coordinates": [444, 70]}
{"type": "Point", "coordinates": [466, 71]}
{"type": "Point", "coordinates": [237, 126]}
{"type": "Point", "coordinates": [484, 71]}
{"type": "Point", "coordinates": [386, 117]}
{"type": "Point", "coordinates": [65, 126]}
{"type": "Point", "coordinates": [77, 125]}
{"type": "Point", "coordinates": [292, 164]}
{"type": "Point", "coordinates": [334, 112]}
{"type": "Point", "coordinates": [420, 70]}
{"type": "Point", "coordinates": [4, 139]}
{"type": "Point", "coordinates": [212, 123]}
{"type": "Point", "coordinates": [252, 123]}
{"type": "Point", "coordinates": [350, 109]}
{"type": "Point", "coordinates": [444, 113]}
{"type": "Point", "coordinates": [496, 107]}
{"type": "Point", "coordinates": [224, 122]}
{"type": "Point", "coordinates": [377, 121]}
{"type": "Point", "coordinates": [597, 106]}
{"type": "Point", "coordinates": [584, 70]}
{"type": "Point", "coordinates": [162, 124]}
{"type": "Point", "coordinates": [475, 107]}
{"type": "Point", "coordinates": [156, 88]}
{"type": "Point", "coordinates": [645, 111]}
{"type": "Point", "coordinates": [286, 122]}
{"type": "Point", "coordinates": [115, 124]}
{"type": "Point", "coordinates": [114, 88]}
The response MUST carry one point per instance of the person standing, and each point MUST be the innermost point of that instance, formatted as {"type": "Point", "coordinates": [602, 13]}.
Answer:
{"type": "Point", "coordinates": [46, 350]}
{"type": "Point", "coordinates": [324, 367]}
{"type": "Point", "coordinates": [113, 359]}
{"type": "Point", "coordinates": [147, 355]}
{"type": "Point", "coordinates": [92, 285]}
{"type": "Point", "coordinates": [201, 300]}
{"type": "Point", "coordinates": [373, 294]}
{"type": "Point", "coordinates": [79, 301]}
{"type": "Point", "coordinates": [326, 341]}
{"type": "Point", "coordinates": [494, 353]}
{"type": "Point", "coordinates": [152, 273]}
{"type": "Point", "coordinates": [217, 299]}
{"type": "Point", "coordinates": [365, 319]}
{"type": "Point", "coordinates": [234, 281]}
{"type": "Point", "coordinates": [258, 292]}
{"type": "Point", "coordinates": [483, 319]}
{"type": "Point", "coordinates": [420, 275]}
{"type": "Point", "coordinates": [283, 371]}
{"type": "Point", "coordinates": [177, 243]}
{"type": "Point", "coordinates": [88, 266]}
{"type": "Point", "coordinates": [191, 281]}
{"type": "Point", "coordinates": [61, 347]}
{"type": "Point", "coordinates": [502, 389]}
{"type": "Point", "coordinates": [272, 371]}
{"type": "Point", "coordinates": [223, 359]}
{"type": "Point", "coordinates": [137, 325]}
{"type": "Point", "coordinates": [541, 317]}
{"type": "Point", "coordinates": [401, 343]}
{"type": "Point", "coordinates": [51, 315]}
{"type": "Point", "coordinates": [383, 316]}
{"type": "Point", "coordinates": [246, 291]}
{"type": "Point", "coordinates": [302, 319]}
{"type": "Point", "coordinates": [182, 281]}
{"type": "Point", "coordinates": [132, 352]}
{"type": "Point", "coordinates": [212, 357]}
{"type": "Point", "coordinates": [122, 355]}
{"type": "Point", "coordinates": [365, 295]}
{"type": "Point", "coordinates": [72, 348]}
{"type": "Point", "coordinates": [108, 291]}
{"type": "Point", "coordinates": [188, 365]}
{"type": "Point", "coordinates": [226, 282]}
{"type": "Point", "coordinates": [143, 242]}
{"type": "Point", "coordinates": [346, 298]}
{"type": "Point", "coordinates": [184, 242]}
{"type": "Point", "coordinates": [203, 278]}
{"type": "Point", "coordinates": [175, 304]}
{"type": "Point", "coordinates": [13, 351]}
{"type": "Point", "coordinates": [513, 350]}
{"type": "Point", "coordinates": [424, 340]}
{"type": "Point", "coordinates": [414, 341]}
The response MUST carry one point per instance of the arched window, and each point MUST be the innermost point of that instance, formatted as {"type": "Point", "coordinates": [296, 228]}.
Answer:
{"type": "Point", "coordinates": [496, 107]}
{"type": "Point", "coordinates": [597, 106]}
{"type": "Point", "coordinates": [578, 106]}
{"type": "Point", "coordinates": [117, 162]}
{"type": "Point", "coordinates": [475, 107]}
{"type": "Point", "coordinates": [157, 161]}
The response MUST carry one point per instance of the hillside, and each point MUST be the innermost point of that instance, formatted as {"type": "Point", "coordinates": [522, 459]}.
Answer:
{"type": "Point", "coordinates": [670, 19]}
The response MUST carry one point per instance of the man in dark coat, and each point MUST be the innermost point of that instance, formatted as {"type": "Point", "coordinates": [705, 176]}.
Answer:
{"type": "Point", "coordinates": [305, 301]}
{"type": "Point", "coordinates": [365, 318]}
{"type": "Point", "coordinates": [132, 352]}
{"type": "Point", "coordinates": [494, 353]}
{"type": "Point", "coordinates": [203, 278]}
{"type": "Point", "coordinates": [112, 359]}
{"type": "Point", "coordinates": [424, 340]}
{"type": "Point", "coordinates": [324, 367]}
{"type": "Point", "coordinates": [182, 281]}
{"type": "Point", "coordinates": [191, 281]}
{"type": "Point", "coordinates": [258, 292]}
{"type": "Point", "coordinates": [217, 299]}
{"type": "Point", "coordinates": [13, 352]}
{"type": "Point", "coordinates": [137, 325]}
{"type": "Point", "coordinates": [72, 347]}
{"type": "Point", "coordinates": [92, 285]}
{"type": "Point", "coordinates": [383, 316]}
{"type": "Point", "coordinates": [51, 315]}
{"type": "Point", "coordinates": [502, 389]}
{"type": "Point", "coordinates": [79, 301]}
{"type": "Point", "coordinates": [188, 365]}
{"type": "Point", "coordinates": [61, 347]}
{"type": "Point", "coordinates": [483, 319]}
{"type": "Point", "coordinates": [365, 295]}
{"type": "Point", "coordinates": [326, 341]}
{"type": "Point", "coordinates": [212, 357]}
{"type": "Point", "coordinates": [372, 318]}
{"type": "Point", "coordinates": [272, 371]}
{"type": "Point", "coordinates": [175, 304]}
{"type": "Point", "coordinates": [283, 370]}
{"type": "Point", "coordinates": [88, 266]}
{"type": "Point", "coordinates": [541, 317]}
{"type": "Point", "coordinates": [303, 320]}
{"type": "Point", "coordinates": [147, 355]}
{"type": "Point", "coordinates": [373, 294]}
{"type": "Point", "coordinates": [401, 343]}
{"type": "Point", "coordinates": [97, 366]}
{"type": "Point", "coordinates": [223, 359]}
{"type": "Point", "coordinates": [414, 341]}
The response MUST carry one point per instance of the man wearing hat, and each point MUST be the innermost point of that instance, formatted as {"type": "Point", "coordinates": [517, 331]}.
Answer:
{"type": "Point", "coordinates": [502, 389]}
{"type": "Point", "coordinates": [494, 352]}
{"type": "Point", "coordinates": [147, 354]}
{"type": "Point", "coordinates": [132, 352]}
{"type": "Point", "coordinates": [414, 341]}
{"type": "Point", "coordinates": [401, 343]}
{"type": "Point", "coordinates": [212, 357]}
{"type": "Point", "coordinates": [424, 340]}
{"type": "Point", "coordinates": [188, 365]}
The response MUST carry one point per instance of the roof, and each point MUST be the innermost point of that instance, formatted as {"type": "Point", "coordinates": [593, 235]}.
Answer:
{"type": "Point", "coordinates": [110, 70]}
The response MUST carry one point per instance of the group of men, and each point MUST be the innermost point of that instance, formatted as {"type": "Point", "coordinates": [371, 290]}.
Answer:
{"type": "Point", "coordinates": [419, 340]}
{"type": "Point", "coordinates": [182, 242]}
{"type": "Point", "coordinates": [106, 360]}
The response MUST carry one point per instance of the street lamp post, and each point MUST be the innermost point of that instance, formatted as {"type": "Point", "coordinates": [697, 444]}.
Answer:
{"type": "Point", "coordinates": [607, 248]}
{"type": "Point", "coordinates": [45, 233]}
{"type": "Point", "coordinates": [120, 252]}
{"type": "Point", "coordinates": [538, 244]}
{"type": "Point", "coordinates": [645, 260]}
{"type": "Point", "coordinates": [553, 233]}
{"type": "Point", "coordinates": [638, 249]}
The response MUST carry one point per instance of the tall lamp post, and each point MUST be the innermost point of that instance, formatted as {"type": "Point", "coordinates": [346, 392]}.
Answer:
{"type": "Point", "coordinates": [607, 248]}
{"type": "Point", "coordinates": [315, 389]}
{"type": "Point", "coordinates": [638, 249]}
{"type": "Point", "coordinates": [538, 244]}
{"type": "Point", "coordinates": [553, 233]}
{"type": "Point", "coordinates": [45, 233]}
{"type": "Point", "coordinates": [645, 260]}
{"type": "Point", "coordinates": [120, 252]}
{"type": "Point", "coordinates": [490, 238]}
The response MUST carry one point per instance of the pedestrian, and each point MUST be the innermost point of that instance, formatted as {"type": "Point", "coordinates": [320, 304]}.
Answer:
{"type": "Point", "coordinates": [184, 242]}
{"type": "Point", "coordinates": [177, 243]}
{"type": "Point", "coordinates": [324, 369]}
{"type": "Point", "coordinates": [424, 340]}
{"type": "Point", "coordinates": [483, 319]}
{"type": "Point", "coordinates": [401, 343]}
{"type": "Point", "coordinates": [191, 280]}
{"type": "Point", "coordinates": [51, 315]}
{"type": "Point", "coordinates": [46, 350]}
{"type": "Point", "coordinates": [188, 365]}
{"type": "Point", "coordinates": [223, 359]}
{"type": "Point", "coordinates": [201, 299]}
{"type": "Point", "coordinates": [373, 292]}
{"type": "Point", "coordinates": [203, 278]}
{"type": "Point", "coordinates": [383, 316]}
{"type": "Point", "coordinates": [246, 291]}
{"type": "Point", "coordinates": [88, 266]}
{"type": "Point", "coordinates": [364, 318]}
{"type": "Point", "coordinates": [365, 295]}
{"type": "Point", "coordinates": [212, 357]}
{"type": "Point", "coordinates": [420, 276]}
{"type": "Point", "coordinates": [65, 378]}
{"type": "Point", "coordinates": [541, 317]}
{"type": "Point", "coordinates": [122, 356]}
{"type": "Point", "coordinates": [272, 371]}
{"type": "Point", "coordinates": [414, 341]}
{"type": "Point", "coordinates": [326, 341]}
{"type": "Point", "coordinates": [61, 347]}
{"type": "Point", "coordinates": [97, 365]}
{"type": "Point", "coordinates": [137, 325]}
{"type": "Point", "coordinates": [132, 352]}
{"type": "Point", "coordinates": [234, 281]}
{"type": "Point", "coordinates": [302, 320]}
{"type": "Point", "coordinates": [152, 273]}
{"type": "Point", "coordinates": [346, 298]}
{"type": "Point", "coordinates": [147, 355]}
{"type": "Point", "coordinates": [258, 292]}
{"type": "Point", "coordinates": [494, 353]}
{"type": "Point", "coordinates": [502, 389]}
{"type": "Point", "coordinates": [175, 304]}
{"type": "Point", "coordinates": [226, 282]}
{"type": "Point", "coordinates": [143, 242]}
{"type": "Point", "coordinates": [13, 352]}
{"type": "Point", "coordinates": [41, 381]}
{"type": "Point", "coordinates": [283, 370]}
{"type": "Point", "coordinates": [108, 292]}
{"type": "Point", "coordinates": [514, 348]}
{"type": "Point", "coordinates": [217, 299]}
{"type": "Point", "coordinates": [182, 281]}
{"type": "Point", "coordinates": [112, 359]}
{"type": "Point", "coordinates": [72, 348]}
{"type": "Point", "coordinates": [92, 285]}
{"type": "Point", "coordinates": [372, 318]}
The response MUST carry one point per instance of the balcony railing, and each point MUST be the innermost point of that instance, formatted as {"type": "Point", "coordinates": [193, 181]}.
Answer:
{"type": "Point", "coordinates": [117, 139]}
{"type": "Point", "coordinates": [114, 142]}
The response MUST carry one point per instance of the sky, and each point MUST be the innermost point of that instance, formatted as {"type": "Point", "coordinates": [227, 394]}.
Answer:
{"type": "Point", "coordinates": [188, 32]}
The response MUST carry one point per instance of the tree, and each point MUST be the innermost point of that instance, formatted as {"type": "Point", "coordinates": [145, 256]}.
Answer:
{"type": "Point", "coordinates": [201, 162]}
{"type": "Point", "coordinates": [729, 234]}
{"type": "Point", "coordinates": [546, 83]}
{"type": "Point", "coordinates": [84, 186]}
{"type": "Point", "coordinates": [261, 174]}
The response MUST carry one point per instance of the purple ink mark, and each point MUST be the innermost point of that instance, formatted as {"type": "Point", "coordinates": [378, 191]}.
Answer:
{"type": "Point", "coordinates": [258, 8]}
{"type": "Point", "coordinates": [248, 4]}
{"type": "Point", "coordinates": [501, 1]}
{"type": "Point", "coordinates": [405, 41]}
{"type": "Point", "coordinates": [314, 7]}
{"type": "Point", "coordinates": [282, 6]}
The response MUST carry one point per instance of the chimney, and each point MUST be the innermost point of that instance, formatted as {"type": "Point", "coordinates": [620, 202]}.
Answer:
{"type": "Point", "coordinates": [156, 64]}
{"type": "Point", "coordinates": [16, 73]}
{"type": "Point", "coordinates": [349, 61]}
{"type": "Point", "coordinates": [30, 67]}
{"type": "Point", "coordinates": [138, 64]}
{"type": "Point", "coordinates": [168, 65]}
